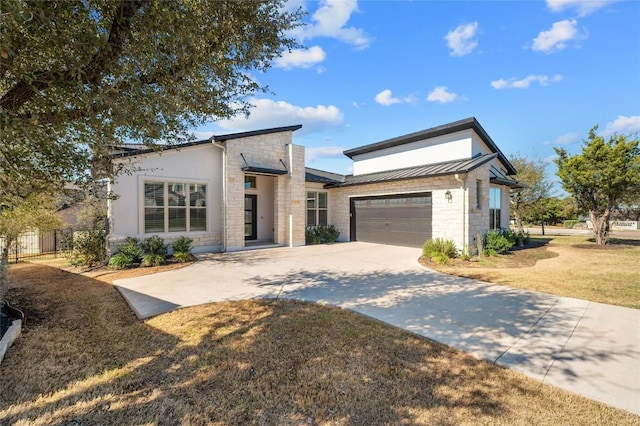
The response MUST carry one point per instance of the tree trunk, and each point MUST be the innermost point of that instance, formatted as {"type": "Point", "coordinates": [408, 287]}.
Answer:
{"type": "Point", "coordinates": [518, 217]}
{"type": "Point", "coordinates": [542, 225]}
{"type": "Point", "coordinates": [600, 226]}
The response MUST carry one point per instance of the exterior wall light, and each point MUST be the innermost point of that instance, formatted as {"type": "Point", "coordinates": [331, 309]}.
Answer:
{"type": "Point", "coordinates": [448, 196]}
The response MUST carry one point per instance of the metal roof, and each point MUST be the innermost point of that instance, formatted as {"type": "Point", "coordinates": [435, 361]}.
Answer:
{"type": "Point", "coordinates": [445, 129]}
{"type": "Point", "coordinates": [321, 176]}
{"type": "Point", "coordinates": [428, 170]}
{"type": "Point", "coordinates": [128, 150]}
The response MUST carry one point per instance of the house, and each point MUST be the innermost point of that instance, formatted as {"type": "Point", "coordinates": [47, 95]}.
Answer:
{"type": "Point", "coordinates": [233, 191]}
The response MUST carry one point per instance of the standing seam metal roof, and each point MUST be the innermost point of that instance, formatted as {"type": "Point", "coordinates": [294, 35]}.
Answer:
{"type": "Point", "coordinates": [429, 170]}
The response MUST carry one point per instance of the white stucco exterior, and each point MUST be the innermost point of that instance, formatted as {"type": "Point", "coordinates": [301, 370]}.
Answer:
{"type": "Point", "coordinates": [459, 196]}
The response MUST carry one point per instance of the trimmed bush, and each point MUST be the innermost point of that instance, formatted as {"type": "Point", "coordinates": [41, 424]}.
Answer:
{"type": "Point", "coordinates": [154, 245]}
{"type": "Point", "coordinates": [182, 257]}
{"type": "Point", "coordinates": [89, 248]}
{"type": "Point", "coordinates": [128, 255]}
{"type": "Point", "coordinates": [569, 224]}
{"type": "Point", "coordinates": [182, 245]}
{"type": "Point", "coordinates": [439, 250]}
{"type": "Point", "coordinates": [321, 234]}
{"type": "Point", "coordinates": [121, 261]}
{"type": "Point", "coordinates": [153, 259]}
{"type": "Point", "coordinates": [496, 242]}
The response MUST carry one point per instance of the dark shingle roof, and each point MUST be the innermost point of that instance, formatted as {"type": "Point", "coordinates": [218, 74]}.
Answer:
{"type": "Point", "coordinates": [445, 129]}
{"type": "Point", "coordinates": [429, 170]}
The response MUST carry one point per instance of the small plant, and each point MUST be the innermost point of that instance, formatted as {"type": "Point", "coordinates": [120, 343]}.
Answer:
{"type": "Point", "coordinates": [182, 257]}
{"type": "Point", "coordinates": [89, 248]}
{"type": "Point", "coordinates": [496, 242]}
{"type": "Point", "coordinates": [153, 259]}
{"type": "Point", "coordinates": [182, 245]}
{"type": "Point", "coordinates": [128, 255]}
{"type": "Point", "coordinates": [154, 245]}
{"type": "Point", "coordinates": [120, 261]}
{"type": "Point", "coordinates": [440, 250]}
{"type": "Point", "coordinates": [321, 234]}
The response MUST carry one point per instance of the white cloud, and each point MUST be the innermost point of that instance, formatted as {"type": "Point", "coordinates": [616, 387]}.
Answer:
{"type": "Point", "coordinates": [316, 152]}
{"type": "Point", "coordinates": [301, 58]}
{"type": "Point", "coordinates": [267, 113]}
{"type": "Point", "coordinates": [440, 94]}
{"type": "Point", "coordinates": [524, 83]}
{"type": "Point", "coordinates": [385, 98]}
{"type": "Point", "coordinates": [581, 6]}
{"type": "Point", "coordinates": [622, 124]}
{"type": "Point", "coordinates": [461, 40]}
{"type": "Point", "coordinates": [557, 37]}
{"type": "Point", "coordinates": [330, 20]}
{"type": "Point", "coordinates": [567, 138]}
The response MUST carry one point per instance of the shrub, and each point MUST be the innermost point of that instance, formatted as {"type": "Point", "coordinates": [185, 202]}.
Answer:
{"type": "Point", "coordinates": [121, 261]}
{"type": "Point", "coordinates": [321, 234]}
{"type": "Point", "coordinates": [182, 257]}
{"type": "Point", "coordinates": [152, 259]}
{"type": "Point", "coordinates": [182, 245]}
{"type": "Point", "coordinates": [89, 248]}
{"type": "Point", "coordinates": [439, 249]}
{"type": "Point", "coordinates": [154, 245]}
{"type": "Point", "coordinates": [496, 242]}
{"type": "Point", "coordinates": [569, 224]}
{"type": "Point", "coordinates": [131, 248]}
{"type": "Point", "coordinates": [128, 255]}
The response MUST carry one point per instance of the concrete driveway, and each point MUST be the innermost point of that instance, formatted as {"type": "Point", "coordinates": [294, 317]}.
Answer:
{"type": "Point", "coordinates": [588, 348]}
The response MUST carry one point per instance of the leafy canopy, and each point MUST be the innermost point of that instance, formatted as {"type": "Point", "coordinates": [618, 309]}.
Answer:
{"type": "Point", "coordinates": [77, 77]}
{"type": "Point", "coordinates": [605, 173]}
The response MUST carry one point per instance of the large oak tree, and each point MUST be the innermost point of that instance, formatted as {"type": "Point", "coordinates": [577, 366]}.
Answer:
{"type": "Point", "coordinates": [77, 77]}
{"type": "Point", "coordinates": [606, 173]}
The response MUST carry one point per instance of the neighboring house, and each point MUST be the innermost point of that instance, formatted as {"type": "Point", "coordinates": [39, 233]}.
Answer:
{"type": "Point", "coordinates": [252, 188]}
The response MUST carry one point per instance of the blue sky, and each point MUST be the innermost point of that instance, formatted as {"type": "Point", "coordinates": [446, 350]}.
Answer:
{"type": "Point", "coordinates": [535, 74]}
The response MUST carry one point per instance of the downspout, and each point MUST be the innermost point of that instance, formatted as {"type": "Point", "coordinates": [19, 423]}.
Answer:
{"type": "Point", "coordinates": [224, 193]}
{"type": "Point", "coordinates": [290, 149]}
{"type": "Point", "coordinates": [464, 208]}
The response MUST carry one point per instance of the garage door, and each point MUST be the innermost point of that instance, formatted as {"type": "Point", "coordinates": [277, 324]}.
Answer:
{"type": "Point", "coordinates": [403, 219]}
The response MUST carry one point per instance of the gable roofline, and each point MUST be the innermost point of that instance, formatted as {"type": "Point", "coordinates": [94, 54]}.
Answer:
{"type": "Point", "coordinates": [466, 124]}
{"type": "Point", "coordinates": [230, 136]}
{"type": "Point", "coordinates": [137, 149]}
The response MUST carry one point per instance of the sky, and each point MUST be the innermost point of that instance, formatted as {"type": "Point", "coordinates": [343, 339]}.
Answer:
{"type": "Point", "coordinates": [535, 74]}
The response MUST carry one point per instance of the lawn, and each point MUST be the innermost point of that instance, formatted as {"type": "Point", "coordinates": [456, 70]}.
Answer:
{"type": "Point", "coordinates": [85, 359]}
{"type": "Point", "coordinates": [564, 265]}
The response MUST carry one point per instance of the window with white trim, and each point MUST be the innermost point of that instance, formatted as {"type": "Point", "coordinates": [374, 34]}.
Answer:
{"type": "Point", "coordinates": [317, 208]}
{"type": "Point", "coordinates": [175, 207]}
{"type": "Point", "coordinates": [495, 203]}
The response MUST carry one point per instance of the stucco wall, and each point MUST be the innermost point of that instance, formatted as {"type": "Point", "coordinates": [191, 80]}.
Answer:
{"type": "Point", "coordinates": [197, 164]}
{"type": "Point", "coordinates": [454, 146]}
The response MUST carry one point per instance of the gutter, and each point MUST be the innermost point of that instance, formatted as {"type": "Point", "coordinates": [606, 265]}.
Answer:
{"type": "Point", "coordinates": [224, 193]}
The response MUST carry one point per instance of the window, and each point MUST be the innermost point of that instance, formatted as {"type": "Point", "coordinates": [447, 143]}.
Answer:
{"type": "Point", "coordinates": [479, 194]}
{"type": "Point", "coordinates": [317, 213]}
{"type": "Point", "coordinates": [495, 202]}
{"type": "Point", "coordinates": [166, 208]}
{"type": "Point", "coordinates": [250, 182]}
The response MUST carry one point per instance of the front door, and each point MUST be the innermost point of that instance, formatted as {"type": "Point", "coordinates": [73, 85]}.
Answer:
{"type": "Point", "coordinates": [250, 217]}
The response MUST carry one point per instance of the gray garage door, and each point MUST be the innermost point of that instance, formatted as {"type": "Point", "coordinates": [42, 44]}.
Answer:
{"type": "Point", "coordinates": [403, 219]}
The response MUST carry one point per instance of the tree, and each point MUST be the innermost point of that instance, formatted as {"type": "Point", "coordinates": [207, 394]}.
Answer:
{"type": "Point", "coordinates": [602, 176]}
{"type": "Point", "coordinates": [35, 212]}
{"type": "Point", "coordinates": [527, 202]}
{"type": "Point", "coordinates": [77, 77]}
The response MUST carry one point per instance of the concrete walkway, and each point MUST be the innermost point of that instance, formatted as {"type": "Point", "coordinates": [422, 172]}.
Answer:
{"type": "Point", "coordinates": [585, 347]}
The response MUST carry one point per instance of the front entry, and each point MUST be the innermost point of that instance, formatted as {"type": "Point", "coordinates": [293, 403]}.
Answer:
{"type": "Point", "coordinates": [250, 217]}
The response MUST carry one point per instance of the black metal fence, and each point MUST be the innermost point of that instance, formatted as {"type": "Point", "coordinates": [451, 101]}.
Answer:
{"type": "Point", "coordinates": [35, 244]}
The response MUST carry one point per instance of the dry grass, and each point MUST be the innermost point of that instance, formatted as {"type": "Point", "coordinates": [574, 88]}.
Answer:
{"type": "Point", "coordinates": [566, 266]}
{"type": "Point", "coordinates": [85, 359]}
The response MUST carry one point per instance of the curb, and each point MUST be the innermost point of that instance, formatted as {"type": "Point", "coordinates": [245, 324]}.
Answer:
{"type": "Point", "coordinates": [9, 337]}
